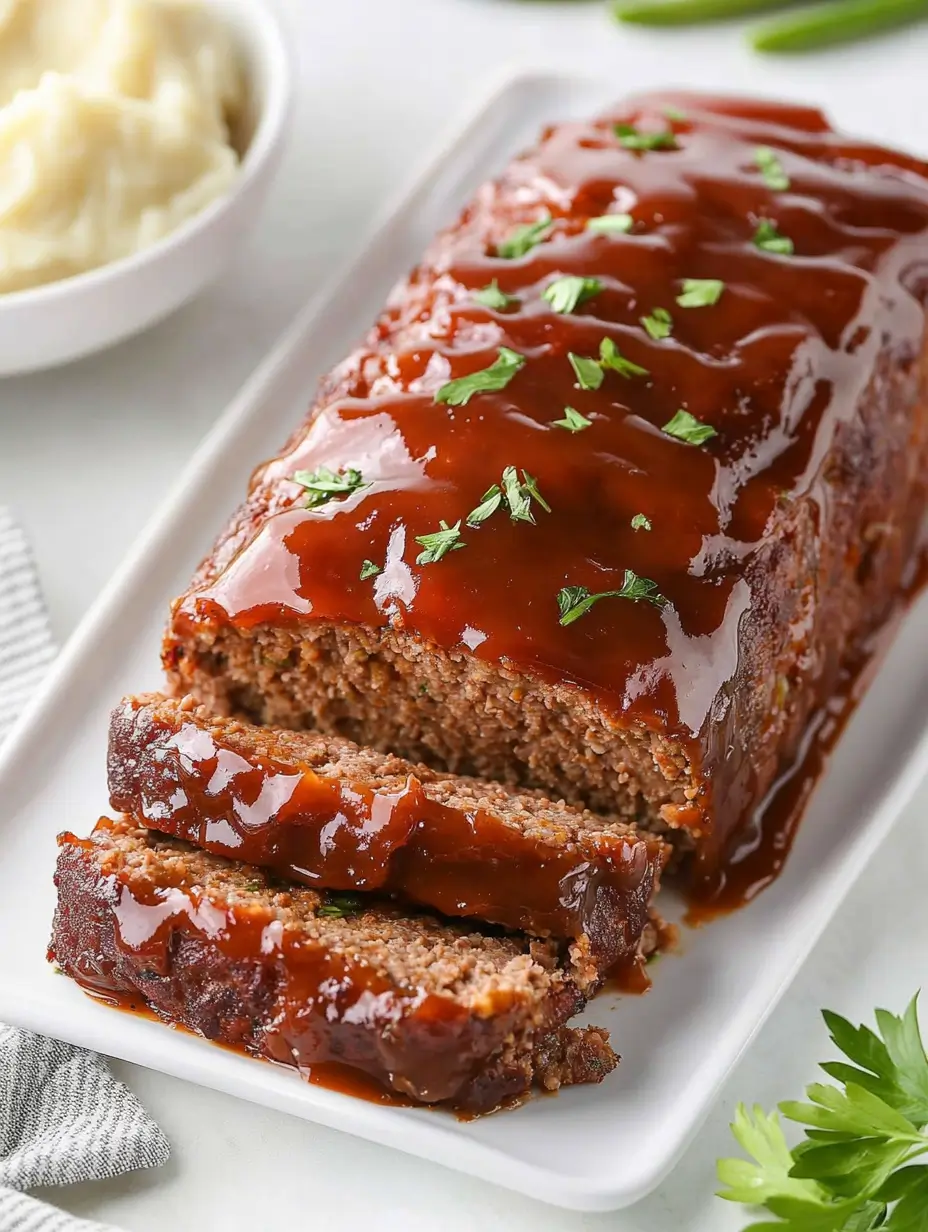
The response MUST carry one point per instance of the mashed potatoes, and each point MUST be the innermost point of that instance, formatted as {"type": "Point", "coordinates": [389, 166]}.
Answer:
{"type": "Point", "coordinates": [113, 129]}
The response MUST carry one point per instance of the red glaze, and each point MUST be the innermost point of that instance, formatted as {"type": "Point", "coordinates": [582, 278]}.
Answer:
{"type": "Point", "coordinates": [777, 367]}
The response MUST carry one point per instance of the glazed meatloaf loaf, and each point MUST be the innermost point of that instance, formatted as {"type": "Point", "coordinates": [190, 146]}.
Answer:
{"type": "Point", "coordinates": [432, 1010]}
{"type": "Point", "coordinates": [628, 467]}
{"type": "Point", "coordinates": [325, 812]}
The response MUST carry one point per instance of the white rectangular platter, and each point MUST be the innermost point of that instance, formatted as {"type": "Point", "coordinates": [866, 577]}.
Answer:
{"type": "Point", "coordinates": [591, 1148]}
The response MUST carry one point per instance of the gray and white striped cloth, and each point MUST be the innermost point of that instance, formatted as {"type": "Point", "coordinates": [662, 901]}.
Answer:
{"type": "Point", "coordinates": [63, 1116]}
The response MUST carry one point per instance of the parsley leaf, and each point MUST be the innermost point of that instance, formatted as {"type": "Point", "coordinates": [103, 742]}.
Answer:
{"type": "Point", "coordinates": [489, 503]}
{"type": "Point", "coordinates": [575, 601]}
{"type": "Point", "coordinates": [489, 380]}
{"type": "Point", "coordinates": [519, 494]}
{"type": "Point", "coordinates": [573, 421]}
{"type": "Point", "coordinates": [659, 324]}
{"type": "Point", "coordinates": [611, 357]}
{"type": "Point", "coordinates": [615, 224]}
{"type": "Point", "coordinates": [324, 485]}
{"type": "Point", "coordinates": [633, 139]}
{"type": "Point", "coordinates": [640, 522]}
{"type": "Point", "coordinates": [771, 169]}
{"type": "Point", "coordinates": [369, 570]}
{"type": "Point", "coordinates": [522, 240]}
{"type": "Point", "coordinates": [674, 113]}
{"type": "Point", "coordinates": [439, 543]}
{"type": "Point", "coordinates": [768, 239]}
{"type": "Point", "coordinates": [854, 1170]}
{"type": "Point", "coordinates": [700, 292]}
{"type": "Point", "coordinates": [588, 372]}
{"type": "Point", "coordinates": [686, 427]}
{"type": "Point", "coordinates": [492, 297]}
{"type": "Point", "coordinates": [566, 294]}
{"type": "Point", "coordinates": [338, 906]}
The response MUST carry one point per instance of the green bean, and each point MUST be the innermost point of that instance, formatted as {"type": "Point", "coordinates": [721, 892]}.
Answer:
{"type": "Point", "coordinates": [839, 21]}
{"type": "Point", "coordinates": [685, 12]}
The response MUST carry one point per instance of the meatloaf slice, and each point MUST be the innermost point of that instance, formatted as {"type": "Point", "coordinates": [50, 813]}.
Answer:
{"type": "Point", "coordinates": [325, 812]}
{"type": "Point", "coordinates": [628, 470]}
{"type": "Point", "coordinates": [436, 1011]}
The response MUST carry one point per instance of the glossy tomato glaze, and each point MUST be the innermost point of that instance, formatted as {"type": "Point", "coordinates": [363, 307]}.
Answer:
{"type": "Point", "coordinates": [776, 367]}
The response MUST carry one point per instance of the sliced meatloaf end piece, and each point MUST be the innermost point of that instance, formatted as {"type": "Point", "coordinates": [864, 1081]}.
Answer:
{"type": "Point", "coordinates": [438, 1012]}
{"type": "Point", "coordinates": [639, 606]}
{"type": "Point", "coordinates": [325, 812]}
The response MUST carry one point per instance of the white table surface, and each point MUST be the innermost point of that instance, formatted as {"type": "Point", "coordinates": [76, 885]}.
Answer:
{"type": "Point", "coordinates": [86, 453]}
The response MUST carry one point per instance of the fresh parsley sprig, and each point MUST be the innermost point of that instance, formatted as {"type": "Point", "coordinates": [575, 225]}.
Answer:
{"type": "Point", "coordinates": [658, 324]}
{"type": "Point", "coordinates": [573, 421]}
{"type": "Point", "coordinates": [521, 240]}
{"type": "Point", "coordinates": [512, 492]}
{"type": "Point", "coordinates": [855, 1169]}
{"type": "Point", "coordinates": [491, 296]}
{"type": "Point", "coordinates": [771, 169]}
{"type": "Point", "coordinates": [439, 543]}
{"type": "Point", "coordinates": [567, 293]}
{"type": "Point", "coordinates": [769, 238]}
{"type": "Point", "coordinates": [633, 138]}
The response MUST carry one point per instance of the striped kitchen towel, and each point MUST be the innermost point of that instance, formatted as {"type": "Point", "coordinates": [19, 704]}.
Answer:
{"type": "Point", "coordinates": [63, 1116]}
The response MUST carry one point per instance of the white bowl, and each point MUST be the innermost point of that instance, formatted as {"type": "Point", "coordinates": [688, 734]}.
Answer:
{"type": "Point", "coordinates": [65, 320]}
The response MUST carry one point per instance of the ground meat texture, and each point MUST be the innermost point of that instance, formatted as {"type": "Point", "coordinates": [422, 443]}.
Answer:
{"type": "Point", "coordinates": [325, 812]}
{"type": "Point", "coordinates": [745, 495]}
{"type": "Point", "coordinates": [436, 1011]}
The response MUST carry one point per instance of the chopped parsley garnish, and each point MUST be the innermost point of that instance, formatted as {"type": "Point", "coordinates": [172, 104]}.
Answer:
{"type": "Point", "coordinates": [519, 494]}
{"type": "Point", "coordinates": [369, 570]}
{"type": "Point", "coordinates": [686, 427]}
{"type": "Point", "coordinates": [616, 224]}
{"type": "Point", "coordinates": [492, 297]}
{"type": "Point", "coordinates": [674, 113]}
{"type": "Point", "coordinates": [575, 601]}
{"type": "Point", "coordinates": [588, 371]}
{"type": "Point", "coordinates": [488, 380]}
{"type": "Point", "coordinates": [439, 543]}
{"type": "Point", "coordinates": [768, 239]}
{"type": "Point", "coordinates": [566, 294]}
{"type": "Point", "coordinates": [611, 357]}
{"type": "Point", "coordinates": [658, 323]}
{"type": "Point", "coordinates": [640, 522]}
{"type": "Point", "coordinates": [489, 503]}
{"type": "Point", "coordinates": [771, 169]}
{"type": "Point", "coordinates": [573, 421]}
{"type": "Point", "coordinates": [324, 485]}
{"type": "Point", "coordinates": [338, 906]}
{"type": "Point", "coordinates": [523, 239]}
{"type": "Point", "coordinates": [633, 139]}
{"type": "Point", "coordinates": [700, 292]}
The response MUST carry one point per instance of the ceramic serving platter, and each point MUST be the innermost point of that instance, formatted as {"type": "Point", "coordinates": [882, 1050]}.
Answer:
{"type": "Point", "coordinates": [590, 1148]}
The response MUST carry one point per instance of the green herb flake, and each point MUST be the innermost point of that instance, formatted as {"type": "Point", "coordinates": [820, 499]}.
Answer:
{"type": "Point", "coordinates": [489, 380]}
{"type": "Point", "coordinates": [489, 503]}
{"type": "Point", "coordinates": [566, 294]}
{"type": "Point", "coordinates": [575, 601]}
{"type": "Point", "coordinates": [523, 239]}
{"type": "Point", "coordinates": [675, 114]}
{"type": "Point", "coordinates": [611, 357]}
{"type": "Point", "coordinates": [686, 427]}
{"type": "Point", "coordinates": [700, 292]}
{"type": "Point", "coordinates": [633, 139]}
{"type": "Point", "coordinates": [491, 296]}
{"type": "Point", "coordinates": [768, 239]}
{"type": "Point", "coordinates": [588, 372]}
{"type": "Point", "coordinates": [369, 570]}
{"type": "Point", "coordinates": [339, 906]}
{"type": "Point", "coordinates": [640, 522]}
{"type": "Point", "coordinates": [439, 543]}
{"type": "Point", "coordinates": [573, 421]}
{"type": "Point", "coordinates": [324, 485]}
{"type": "Point", "coordinates": [771, 169]}
{"type": "Point", "coordinates": [611, 224]}
{"type": "Point", "coordinates": [658, 323]}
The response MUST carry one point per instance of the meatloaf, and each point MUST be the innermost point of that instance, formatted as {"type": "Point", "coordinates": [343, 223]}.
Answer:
{"type": "Point", "coordinates": [625, 471]}
{"type": "Point", "coordinates": [325, 812]}
{"type": "Point", "coordinates": [432, 1010]}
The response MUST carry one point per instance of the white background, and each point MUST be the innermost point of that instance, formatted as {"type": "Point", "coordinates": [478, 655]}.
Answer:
{"type": "Point", "coordinates": [86, 454]}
